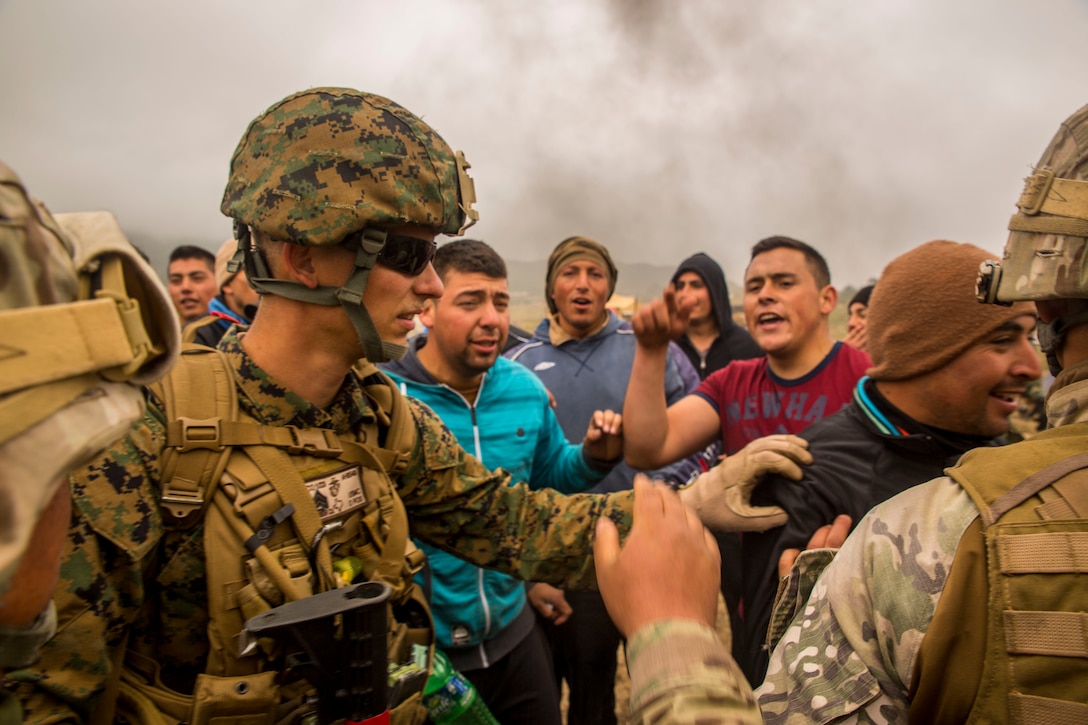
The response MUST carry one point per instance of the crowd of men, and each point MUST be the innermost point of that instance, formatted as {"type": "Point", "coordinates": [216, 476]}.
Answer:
{"type": "Point", "coordinates": [263, 431]}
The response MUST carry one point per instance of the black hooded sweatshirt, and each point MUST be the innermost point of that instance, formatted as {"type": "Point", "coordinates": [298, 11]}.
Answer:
{"type": "Point", "coordinates": [734, 342]}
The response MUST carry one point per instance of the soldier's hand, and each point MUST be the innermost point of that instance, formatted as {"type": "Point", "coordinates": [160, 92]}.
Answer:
{"type": "Point", "coordinates": [830, 536]}
{"type": "Point", "coordinates": [550, 602]}
{"type": "Point", "coordinates": [722, 496]}
{"type": "Point", "coordinates": [669, 567]}
{"type": "Point", "coordinates": [604, 438]}
{"type": "Point", "coordinates": [661, 320]}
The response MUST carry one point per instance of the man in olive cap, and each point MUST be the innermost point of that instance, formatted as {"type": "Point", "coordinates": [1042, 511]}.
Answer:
{"type": "Point", "coordinates": [582, 353]}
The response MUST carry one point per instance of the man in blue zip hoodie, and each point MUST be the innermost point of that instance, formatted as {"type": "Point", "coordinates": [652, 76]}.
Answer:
{"type": "Point", "coordinates": [499, 412]}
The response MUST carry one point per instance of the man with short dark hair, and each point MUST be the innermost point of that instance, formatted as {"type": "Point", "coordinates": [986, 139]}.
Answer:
{"type": "Point", "coordinates": [190, 278]}
{"type": "Point", "coordinates": [500, 413]}
{"type": "Point", "coordinates": [805, 376]}
{"type": "Point", "coordinates": [947, 374]}
{"type": "Point", "coordinates": [236, 303]}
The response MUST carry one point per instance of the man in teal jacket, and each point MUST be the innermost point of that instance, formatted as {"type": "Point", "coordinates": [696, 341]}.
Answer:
{"type": "Point", "coordinates": [499, 412]}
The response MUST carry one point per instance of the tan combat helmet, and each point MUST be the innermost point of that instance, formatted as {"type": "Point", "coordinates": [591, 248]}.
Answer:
{"type": "Point", "coordinates": [84, 321]}
{"type": "Point", "coordinates": [1046, 256]}
{"type": "Point", "coordinates": [337, 166]}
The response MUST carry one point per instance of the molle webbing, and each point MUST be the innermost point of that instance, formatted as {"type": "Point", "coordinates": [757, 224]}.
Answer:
{"type": "Point", "coordinates": [1033, 503]}
{"type": "Point", "coordinates": [1065, 201]}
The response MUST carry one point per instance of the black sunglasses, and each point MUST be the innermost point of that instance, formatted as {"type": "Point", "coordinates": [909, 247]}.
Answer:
{"type": "Point", "coordinates": [401, 253]}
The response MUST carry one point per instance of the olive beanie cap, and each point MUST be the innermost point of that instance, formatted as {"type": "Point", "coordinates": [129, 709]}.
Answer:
{"type": "Point", "coordinates": [574, 249]}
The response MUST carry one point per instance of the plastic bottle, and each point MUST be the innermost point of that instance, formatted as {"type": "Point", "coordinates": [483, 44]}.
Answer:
{"type": "Point", "coordinates": [450, 698]}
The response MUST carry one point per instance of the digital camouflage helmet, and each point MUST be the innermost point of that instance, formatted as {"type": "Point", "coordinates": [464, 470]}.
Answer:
{"type": "Point", "coordinates": [336, 166]}
{"type": "Point", "coordinates": [1046, 256]}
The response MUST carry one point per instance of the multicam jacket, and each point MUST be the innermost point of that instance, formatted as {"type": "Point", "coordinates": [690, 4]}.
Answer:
{"type": "Point", "coordinates": [681, 672]}
{"type": "Point", "coordinates": [851, 654]}
{"type": "Point", "coordinates": [127, 576]}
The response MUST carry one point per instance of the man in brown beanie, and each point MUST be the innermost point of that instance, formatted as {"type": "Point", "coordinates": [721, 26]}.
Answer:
{"type": "Point", "coordinates": [947, 373]}
{"type": "Point", "coordinates": [582, 353]}
{"type": "Point", "coordinates": [236, 303]}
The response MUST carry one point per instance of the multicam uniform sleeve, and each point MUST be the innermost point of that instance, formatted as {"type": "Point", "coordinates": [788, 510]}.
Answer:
{"type": "Point", "coordinates": [456, 504]}
{"type": "Point", "coordinates": [849, 655]}
{"type": "Point", "coordinates": [115, 526]}
{"type": "Point", "coordinates": [682, 673]}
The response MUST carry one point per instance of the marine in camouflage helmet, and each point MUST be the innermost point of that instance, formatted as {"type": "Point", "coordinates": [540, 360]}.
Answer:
{"type": "Point", "coordinates": [335, 166]}
{"type": "Point", "coordinates": [1046, 256]}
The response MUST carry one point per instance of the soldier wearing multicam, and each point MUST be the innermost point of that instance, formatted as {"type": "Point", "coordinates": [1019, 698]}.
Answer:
{"type": "Point", "coordinates": [682, 673]}
{"type": "Point", "coordinates": [962, 600]}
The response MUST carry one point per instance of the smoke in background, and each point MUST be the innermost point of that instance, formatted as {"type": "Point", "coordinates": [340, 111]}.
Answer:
{"type": "Point", "coordinates": [660, 128]}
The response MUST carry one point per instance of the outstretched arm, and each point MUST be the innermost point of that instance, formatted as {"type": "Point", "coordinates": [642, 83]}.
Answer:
{"type": "Point", "coordinates": [656, 434]}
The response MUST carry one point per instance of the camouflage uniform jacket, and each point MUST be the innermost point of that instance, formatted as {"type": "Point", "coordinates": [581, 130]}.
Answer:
{"type": "Point", "coordinates": [127, 576]}
{"type": "Point", "coordinates": [850, 654]}
{"type": "Point", "coordinates": [681, 672]}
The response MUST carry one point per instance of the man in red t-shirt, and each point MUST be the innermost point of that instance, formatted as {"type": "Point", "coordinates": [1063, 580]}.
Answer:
{"type": "Point", "coordinates": [805, 376]}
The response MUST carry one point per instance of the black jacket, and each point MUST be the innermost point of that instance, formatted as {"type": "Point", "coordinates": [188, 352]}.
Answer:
{"type": "Point", "coordinates": [855, 466]}
{"type": "Point", "coordinates": [734, 342]}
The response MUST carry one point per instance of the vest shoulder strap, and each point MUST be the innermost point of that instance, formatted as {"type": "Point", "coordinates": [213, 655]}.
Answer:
{"type": "Point", "coordinates": [199, 397]}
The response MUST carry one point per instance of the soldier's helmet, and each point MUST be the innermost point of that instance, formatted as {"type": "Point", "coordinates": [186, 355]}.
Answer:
{"type": "Point", "coordinates": [84, 321]}
{"type": "Point", "coordinates": [338, 166]}
{"type": "Point", "coordinates": [1046, 256]}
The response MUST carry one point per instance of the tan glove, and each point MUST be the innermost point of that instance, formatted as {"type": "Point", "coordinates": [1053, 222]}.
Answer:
{"type": "Point", "coordinates": [722, 496]}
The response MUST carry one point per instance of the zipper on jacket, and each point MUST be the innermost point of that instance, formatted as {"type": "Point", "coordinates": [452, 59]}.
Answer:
{"type": "Point", "coordinates": [479, 570]}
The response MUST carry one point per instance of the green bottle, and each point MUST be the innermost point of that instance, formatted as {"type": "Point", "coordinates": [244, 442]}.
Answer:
{"type": "Point", "coordinates": [450, 698]}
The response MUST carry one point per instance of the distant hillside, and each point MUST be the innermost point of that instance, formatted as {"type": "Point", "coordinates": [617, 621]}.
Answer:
{"type": "Point", "coordinates": [640, 280]}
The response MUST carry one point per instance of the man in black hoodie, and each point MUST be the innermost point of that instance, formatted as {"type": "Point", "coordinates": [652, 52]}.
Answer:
{"type": "Point", "coordinates": [712, 339]}
{"type": "Point", "coordinates": [711, 342]}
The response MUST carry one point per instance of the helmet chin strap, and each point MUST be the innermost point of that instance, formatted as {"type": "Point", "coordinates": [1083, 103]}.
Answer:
{"type": "Point", "coordinates": [1051, 335]}
{"type": "Point", "coordinates": [349, 296]}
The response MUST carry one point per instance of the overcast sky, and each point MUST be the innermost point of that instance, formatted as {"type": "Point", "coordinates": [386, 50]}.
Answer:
{"type": "Point", "coordinates": [659, 127]}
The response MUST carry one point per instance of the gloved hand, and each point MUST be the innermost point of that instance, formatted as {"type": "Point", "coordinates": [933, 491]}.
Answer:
{"type": "Point", "coordinates": [722, 496]}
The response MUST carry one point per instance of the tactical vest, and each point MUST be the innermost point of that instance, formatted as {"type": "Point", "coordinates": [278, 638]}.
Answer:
{"type": "Point", "coordinates": [1033, 504]}
{"type": "Point", "coordinates": [281, 513]}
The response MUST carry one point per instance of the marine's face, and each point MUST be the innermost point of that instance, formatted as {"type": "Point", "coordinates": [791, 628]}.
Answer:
{"type": "Point", "coordinates": [468, 323]}
{"type": "Point", "coordinates": [192, 286]}
{"type": "Point", "coordinates": [691, 290]}
{"type": "Point", "coordinates": [977, 392]}
{"type": "Point", "coordinates": [783, 306]}
{"type": "Point", "coordinates": [580, 294]}
{"type": "Point", "coordinates": [393, 299]}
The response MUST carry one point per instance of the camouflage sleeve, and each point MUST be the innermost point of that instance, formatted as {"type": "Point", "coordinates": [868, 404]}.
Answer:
{"type": "Point", "coordinates": [681, 673]}
{"type": "Point", "coordinates": [849, 655]}
{"type": "Point", "coordinates": [456, 504]}
{"type": "Point", "coordinates": [794, 590]}
{"type": "Point", "coordinates": [115, 527]}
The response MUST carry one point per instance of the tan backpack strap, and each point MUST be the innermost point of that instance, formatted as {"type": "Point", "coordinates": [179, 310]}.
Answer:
{"type": "Point", "coordinates": [199, 395]}
{"type": "Point", "coordinates": [1032, 485]}
{"type": "Point", "coordinates": [188, 333]}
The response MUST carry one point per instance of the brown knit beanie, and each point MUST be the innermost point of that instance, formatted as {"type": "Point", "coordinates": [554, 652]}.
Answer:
{"type": "Point", "coordinates": [574, 249]}
{"type": "Point", "coordinates": [923, 313]}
